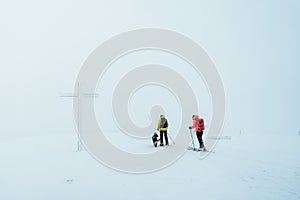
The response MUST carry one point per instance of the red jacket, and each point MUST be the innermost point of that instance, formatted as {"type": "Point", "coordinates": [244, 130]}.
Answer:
{"type": "Point", "coordinates": [198, 124]}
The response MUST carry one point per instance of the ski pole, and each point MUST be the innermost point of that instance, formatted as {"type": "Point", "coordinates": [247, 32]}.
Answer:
{"type": "Point", "coordinates": [192, 140]}
{"type": "Point", "coordinates": [171, 139]}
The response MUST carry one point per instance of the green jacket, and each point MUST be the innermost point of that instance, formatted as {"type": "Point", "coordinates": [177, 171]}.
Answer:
{"type": "Point", "coordinates": [162, 124]}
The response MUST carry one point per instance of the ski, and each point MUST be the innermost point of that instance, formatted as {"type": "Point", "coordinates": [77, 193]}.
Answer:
{"type": "Point", "coordinates": [193, 149]}
{"type": "Point", "coordinates": [198, 150]}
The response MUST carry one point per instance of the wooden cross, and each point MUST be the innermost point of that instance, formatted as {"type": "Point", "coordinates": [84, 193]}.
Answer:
{"type": "Point", "coordinates": [78, 94]}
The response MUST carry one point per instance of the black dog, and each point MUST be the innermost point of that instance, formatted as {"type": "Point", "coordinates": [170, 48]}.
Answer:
{"type": "Point", "coordinates": [154, 139]}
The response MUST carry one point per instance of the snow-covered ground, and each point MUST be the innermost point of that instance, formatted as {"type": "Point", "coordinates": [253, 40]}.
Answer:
{"type": "Point", "coordinates": [255, 47]}
{"type": "Point", "coordinates": [244, 166]}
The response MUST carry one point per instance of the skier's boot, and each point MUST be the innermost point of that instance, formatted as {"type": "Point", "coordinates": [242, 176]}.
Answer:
{"type": "Point", "coordinates": [202, 148]}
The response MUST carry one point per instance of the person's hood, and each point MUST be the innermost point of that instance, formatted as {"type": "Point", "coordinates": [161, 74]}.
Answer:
{"type": "Point", "coordinates": [162, 116]}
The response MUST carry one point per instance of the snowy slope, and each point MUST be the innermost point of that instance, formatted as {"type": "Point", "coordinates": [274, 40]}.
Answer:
{"type": "Point", "coordinates": [255, 46]}
{"type": "Point", "coordinates": [47, 167]}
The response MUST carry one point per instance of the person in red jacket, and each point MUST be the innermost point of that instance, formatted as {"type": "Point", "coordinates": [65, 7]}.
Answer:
{"type": "Point", "coordinates": [198, 125]}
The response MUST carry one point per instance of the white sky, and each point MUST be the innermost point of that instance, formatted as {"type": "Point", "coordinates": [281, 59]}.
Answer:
{"type": "Point", "coordinates": [255, 47]}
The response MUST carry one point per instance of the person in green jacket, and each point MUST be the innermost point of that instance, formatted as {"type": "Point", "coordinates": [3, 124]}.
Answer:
{"type": "Point", "coordinates": [162, 127]}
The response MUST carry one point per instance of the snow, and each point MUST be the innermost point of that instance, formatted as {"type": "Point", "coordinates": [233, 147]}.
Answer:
{"type": "Point", "coordinates": [255, 46]}
{"type": "Point", "coordinates": [247, 166]}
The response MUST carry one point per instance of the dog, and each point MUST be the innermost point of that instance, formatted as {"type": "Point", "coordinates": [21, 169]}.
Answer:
{"type": "Point", "coordinates": [155, 139]}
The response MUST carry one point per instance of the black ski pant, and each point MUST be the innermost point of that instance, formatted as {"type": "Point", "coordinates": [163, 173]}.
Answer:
{"type": "Point", "coordinates": [163, 133]}
{"type": "Point", "coordinates": [200, 140]}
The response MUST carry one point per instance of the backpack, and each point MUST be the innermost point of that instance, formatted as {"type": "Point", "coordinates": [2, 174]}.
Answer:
{"type": "Point", "coordinates": [164, 123]}
{"type": "Point", "coordinates": [201, 124]}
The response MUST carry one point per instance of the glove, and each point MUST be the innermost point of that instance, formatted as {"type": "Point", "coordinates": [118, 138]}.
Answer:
{"type": "Point", "coordinates": [190, 127]}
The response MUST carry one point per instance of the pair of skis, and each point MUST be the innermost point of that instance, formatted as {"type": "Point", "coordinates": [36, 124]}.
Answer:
{"type": "Point", "coordinates": [197, 149]}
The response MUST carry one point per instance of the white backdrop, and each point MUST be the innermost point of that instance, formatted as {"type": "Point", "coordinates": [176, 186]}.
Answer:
{"type": "Point", "coordinates": [254, 44]}
{"type": "Point", "coordinates": [43, 44]}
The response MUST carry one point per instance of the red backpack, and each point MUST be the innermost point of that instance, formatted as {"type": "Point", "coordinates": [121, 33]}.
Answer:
{"type": "Point", "coordinates": [201, 124]}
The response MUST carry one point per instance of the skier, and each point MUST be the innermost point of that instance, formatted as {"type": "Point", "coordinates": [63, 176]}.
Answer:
{"type": "Point", "coordinates": [198, 125]}
{"type": "Point", "coordinates": [162, 126]}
